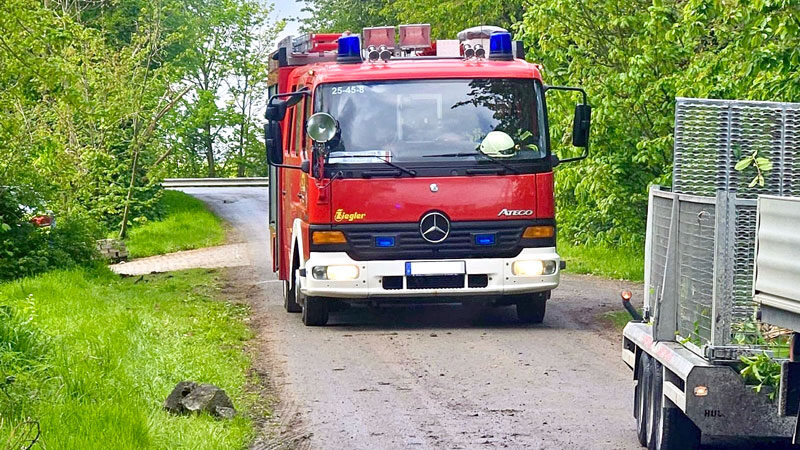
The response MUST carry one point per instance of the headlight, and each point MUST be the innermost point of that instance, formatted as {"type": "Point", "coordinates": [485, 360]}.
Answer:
{"type": "Point", "coordinates": [533, 268]}
{"type": "Point", "coordinates": [335, 273]}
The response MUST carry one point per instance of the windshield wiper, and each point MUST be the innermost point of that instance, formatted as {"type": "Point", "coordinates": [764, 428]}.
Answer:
{"type": "Point", "coordinates": [411, 172]}
{"type": "Point", "coordinates": [475, 153]}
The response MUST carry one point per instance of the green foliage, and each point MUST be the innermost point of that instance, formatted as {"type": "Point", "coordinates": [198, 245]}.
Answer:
{"type": "Point", "coordinates": [26, 249]}
{"type": "Point", "coordinates": [338, 16]}
{"type": "Point", "coordinates": [633, 58]}
{"type": "Point", "coordinates": [761, 371]}
{"type": "Point", "coordinates": [622, 262]}
{"type": "Point", "coordinates": [216, 135]}
{"type": "Point", "coordinates": [184, 223]}
{"type": "Point", "coordinates": [759, 163]}
{"type": "Point", "coordinates": [96, 96]}
{"type": "Point", "coordinates": [92, 358]}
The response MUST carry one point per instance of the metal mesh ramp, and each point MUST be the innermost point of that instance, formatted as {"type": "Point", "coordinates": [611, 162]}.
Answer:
{"type": "Point", "coordinates": [712, 135]}
{"type": "Point", "coordinates": [701, 235]}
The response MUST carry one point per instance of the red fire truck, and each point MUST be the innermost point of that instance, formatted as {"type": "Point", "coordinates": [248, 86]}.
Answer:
{"type": "Point", "coordinates": [403, 169]}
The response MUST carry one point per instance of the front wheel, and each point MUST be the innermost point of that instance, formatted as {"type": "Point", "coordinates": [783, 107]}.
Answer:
{"type": "Point", "coordinates": [531, 307]}
{"type": "Point", "coordinates": [290, 297]}
{"type": "Point", "coordinates": [315, 311]}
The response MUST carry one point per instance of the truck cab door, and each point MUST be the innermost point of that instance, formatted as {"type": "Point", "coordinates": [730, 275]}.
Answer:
{"type": "Point", "coordinates": [274, 211]}
{"type": "Point", "coordinates": [274, 206]}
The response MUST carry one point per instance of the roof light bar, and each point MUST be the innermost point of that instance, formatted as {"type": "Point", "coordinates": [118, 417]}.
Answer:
{"type": "Point", "coordinates": [379, 36]}
{"type": "Point", "coordinates": [415, 37]}
{"type": "Point", "coordinates": [500, 46]}
{"type": "Point", "coordinates": [349, 49]}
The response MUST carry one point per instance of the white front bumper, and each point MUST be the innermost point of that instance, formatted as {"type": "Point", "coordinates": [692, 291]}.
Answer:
{"type": "Point", "coordinates": [369, 282]}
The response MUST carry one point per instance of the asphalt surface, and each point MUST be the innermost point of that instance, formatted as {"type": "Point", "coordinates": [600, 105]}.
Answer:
{"type": "Point", "coordinates": [440, 376]}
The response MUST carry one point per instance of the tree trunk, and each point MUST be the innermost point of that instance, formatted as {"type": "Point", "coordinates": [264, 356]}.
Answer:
{"type": "Point", "coordinates": [212, 172]}
{"type": "Point", "coordinates": [243, 129]}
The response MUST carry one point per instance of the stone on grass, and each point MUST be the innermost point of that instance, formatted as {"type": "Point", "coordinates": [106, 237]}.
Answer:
{"type": "Point", "coordinates": [190, 397]}
{"type": "Point", "coordinates": [174, 401]}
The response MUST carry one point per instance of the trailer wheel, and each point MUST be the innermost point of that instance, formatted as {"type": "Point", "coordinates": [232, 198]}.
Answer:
{"type": "Point", "coordinates": [675, 430]}
{"type": "Point", "coordinates": [315, 311]}
{"type": "Point", "coordinates": [654, 402]}
{"type": "Point", "coordinates": [531, 307]}
{"type": "Point", "coordinates": [290, 297]}
{"type": "Point", "coordinates": [641, 397]}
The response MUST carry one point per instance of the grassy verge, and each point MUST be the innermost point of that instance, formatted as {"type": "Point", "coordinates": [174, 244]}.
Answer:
{"type": "Point", "coordinates": [617, 262]}
{"type": "Point", "coordinates": [187, 224]}
{"type": "Point", "coordinates": [617, 319]}
{"type": "Point", "coordinates": [93, 357]}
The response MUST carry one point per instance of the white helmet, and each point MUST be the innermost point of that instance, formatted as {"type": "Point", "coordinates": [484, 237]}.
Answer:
{"type": "Point", "coordinates": [498, 144]}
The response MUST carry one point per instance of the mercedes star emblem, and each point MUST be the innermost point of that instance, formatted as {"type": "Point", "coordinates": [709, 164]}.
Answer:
{"type": "Point", "coordinates": [434, 227]}
{"type": "Point", "coordinates": [434, 187]}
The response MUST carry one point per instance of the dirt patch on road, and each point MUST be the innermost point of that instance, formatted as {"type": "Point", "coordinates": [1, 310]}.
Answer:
{"type": "Point", "coordinates": [589, 298]}
{"type": "Point", "coordinates": [278, 421]}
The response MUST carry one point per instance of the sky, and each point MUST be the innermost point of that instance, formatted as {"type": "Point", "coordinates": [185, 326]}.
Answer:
{"type": "Point", "coordinates": [284, 9]}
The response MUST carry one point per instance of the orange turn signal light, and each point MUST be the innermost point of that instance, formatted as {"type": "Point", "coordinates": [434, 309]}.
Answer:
{"type": "Point", "coordinates": [541, 231]}
{"type": "Point", "coordinates": [328, 237]}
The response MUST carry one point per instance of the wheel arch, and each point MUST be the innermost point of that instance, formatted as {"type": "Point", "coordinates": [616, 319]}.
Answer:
{"type": "Point", "coordinates": [297, 249]}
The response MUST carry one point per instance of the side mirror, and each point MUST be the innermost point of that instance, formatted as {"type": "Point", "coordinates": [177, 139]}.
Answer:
{"type": "Point", "coordinates": [273, 140]}
{"type": "Point", "coordinates": [581, 125]}
{"type": "Point", "coordinates": [276, 110]}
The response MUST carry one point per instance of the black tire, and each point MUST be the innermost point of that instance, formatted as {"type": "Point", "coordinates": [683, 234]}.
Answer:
{"type": "Point", "coordinates": [531, 307]}
{"type": "Point", "coordinates": [290, 297]}
{"type": "Point", "coordinates": [675, 430]}
{"type": "Point", "coordinates": [315, 311]}
{"type": "Point", "coordinates": [641, 397]}
{"type": "Point", "coordinates": [654, 402]}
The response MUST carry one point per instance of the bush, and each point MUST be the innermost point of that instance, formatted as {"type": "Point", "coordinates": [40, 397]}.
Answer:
{"type": "Point", "coordinates": [22, 356]}
{"type": "Point", "coordinates": [27, 250]}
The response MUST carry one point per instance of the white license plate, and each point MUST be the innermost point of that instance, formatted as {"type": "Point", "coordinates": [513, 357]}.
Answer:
{"type": "Point", "coordinates": [436, 268]}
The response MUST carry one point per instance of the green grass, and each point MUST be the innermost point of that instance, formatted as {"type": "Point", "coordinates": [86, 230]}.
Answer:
{"type": "Point", "coordinates": [187, 224]}
{"type": "Point", "coordinates": [624, 263]}
{"type": "Point", "coordinates": [94, 356]}
{"type": "Point", "coordinates": [618, 319]}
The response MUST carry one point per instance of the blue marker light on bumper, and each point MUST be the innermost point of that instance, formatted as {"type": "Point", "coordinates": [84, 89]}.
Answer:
{"type": "Point", "coordinates": [484, 239]}
{"type": "Point", "coordinates": [384, 241]}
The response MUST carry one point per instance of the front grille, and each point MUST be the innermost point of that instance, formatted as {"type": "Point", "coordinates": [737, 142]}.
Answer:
{"type": "Point", "coordinates": [435, 282]}
{"type": "Point", "coordinates": [477, 281]}
{"type": "Point", "coordinates": [460, 243]}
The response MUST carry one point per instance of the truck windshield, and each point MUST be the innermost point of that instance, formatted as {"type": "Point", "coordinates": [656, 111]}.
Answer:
{"type": "Point", "coordinates": [432, 120]}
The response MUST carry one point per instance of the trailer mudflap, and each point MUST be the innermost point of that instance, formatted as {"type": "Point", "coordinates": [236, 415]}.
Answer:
{"type": "Point", "coordinates": [789, 393]}
{"type": "Point", "coordinates": [732, 409]}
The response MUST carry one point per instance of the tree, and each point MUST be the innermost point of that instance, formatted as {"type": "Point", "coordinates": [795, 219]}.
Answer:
{"type": "Point", "coordinates": [338, 16]}
{"type": "Point", "coordinates": [250, 47]}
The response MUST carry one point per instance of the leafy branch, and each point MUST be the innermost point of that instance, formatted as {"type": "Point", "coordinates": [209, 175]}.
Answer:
{"type": "Point", "coordinates": [760, 163]}
{"type": "Point", "coordinates": [761, 371]}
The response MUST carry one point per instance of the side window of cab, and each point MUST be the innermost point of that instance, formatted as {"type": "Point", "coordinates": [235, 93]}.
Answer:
{"type": "Point", "coordinates": [299, 128]}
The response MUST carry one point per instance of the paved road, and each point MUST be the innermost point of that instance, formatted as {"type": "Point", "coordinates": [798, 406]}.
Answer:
{"type": "Point", "coordinates": [437, 376]}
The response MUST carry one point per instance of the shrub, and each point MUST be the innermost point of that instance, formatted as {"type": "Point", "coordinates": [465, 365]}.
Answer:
{"type": "Point", "coordinates": [27, 250]}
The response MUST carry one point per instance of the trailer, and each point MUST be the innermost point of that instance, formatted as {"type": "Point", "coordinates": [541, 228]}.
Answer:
{"type": "Point", "coordinates": [721, 263]}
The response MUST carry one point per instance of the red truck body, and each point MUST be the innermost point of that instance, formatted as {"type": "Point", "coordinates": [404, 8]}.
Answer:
{"type": "Point", "coordinates": [492, 210]}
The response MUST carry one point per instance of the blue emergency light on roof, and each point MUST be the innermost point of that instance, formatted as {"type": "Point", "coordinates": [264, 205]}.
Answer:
{"type": "Point", "coordinates": [349, 49]}
{"type": "Point", "coordinates": [500, 46]}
